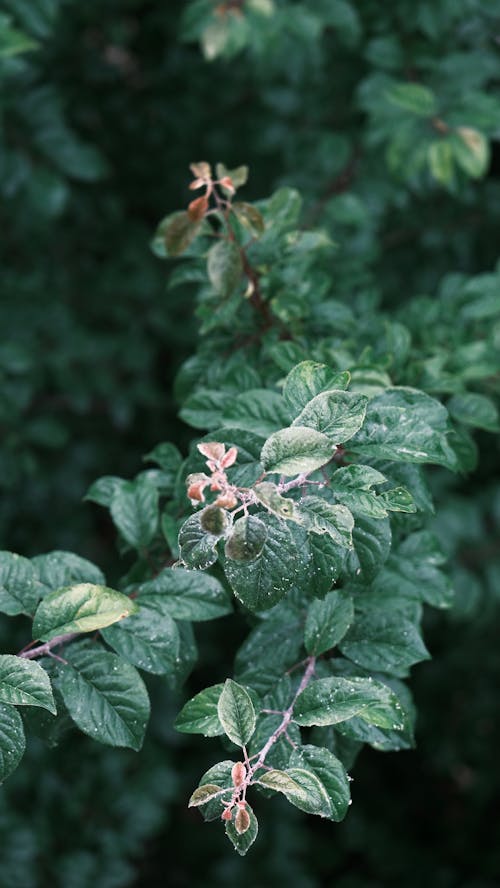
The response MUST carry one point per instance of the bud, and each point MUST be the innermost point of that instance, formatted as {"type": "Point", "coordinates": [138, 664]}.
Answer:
{"type": "Point", "coordinates": [227, 814]}
{"type": "Point", "coordinates": [238, 773]}
{"type": "Point", "coordinates": [242, 821]}
{"type": "Point", "coordinates": [226, 500]}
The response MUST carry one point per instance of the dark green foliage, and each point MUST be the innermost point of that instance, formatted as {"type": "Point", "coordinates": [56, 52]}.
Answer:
{"type": "Point", "coordinates": [334, 503]}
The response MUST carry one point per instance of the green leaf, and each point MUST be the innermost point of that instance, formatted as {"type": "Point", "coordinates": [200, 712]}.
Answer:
{"type": "Point", "coordinates": [330, 772]}
{"type": "Point", "coordinates": [360, 731]}
{"type": "Point", "coordinates": [307, 380]}
{"type": "Point", "coordinates": [413, 97]}
{"type": "Point", "coordinates": [405, 424]}
{"type": "Point", "coordinates": [134, 510]}
{"type": "Point", "coordinates": [188, 655]}
{"type": "Point", "coordinates": [296, 450]}
{"type": "Point", "coordinates": [224, 267]}
{"type": "Point", "coordinates": [472, 151]}
{"type": "Point", "coordinates": [384, 642]}
{"type": "Point", "coordinates": [19, 592]}
{"type": "Point", "coordinates": [58, 569]}
{"type": "Point", "coordinates": [81, 608]}
{"type": "Point", "coordinates": [328, 701]}
{"type": "Point", "coordinates": [105, 696]}
{"type": "Point", "coordinates": [301, 787]}
{"type": "Point", "coordinates": [337, 414]}
{"type": "Point", "coordinates": [283, 507]}
{"type": "Point", "coordinates": [24, 683]}
{"type": "Point", "coordinates": [257, 410]}
{"type": "Point", "coordinates": [249, 216]}
{"type": "Point", "coordinates": [236, 712]}
{"type": "Point", "coordinates": [413, 572]}
{"type": "Point", "coordinates": [146, 639]}
{"type": "Point", "coordinates": [327, 563]}
{"type": "Point", "coordinates": [12, 740]}
{"type": "Point", "coordinates": [174, 234]}
{"type": "Point", "coordinates": [185, 595]}
{"type": "Point", "coordinates": [197, 547]}
{"type": "Point", "coordinates": [200, 715]}
{"type": "Point", "coordinates": [280, 566]}
{"type": "Point", "coordinates": [398, 499]}
{"type": "Point", "coordinates": [220, 775]}
{"type": "Point", "coordinates": [352, 485]}
{"type": "Point", "coordinates": [247, 539]}
{"type": "Point", "coordinates": [103, 490]}
{"type": "Point", "coordinates": [13, 41]}
{"type": "Point", "coordinates": [327, 621]}
{"type": "Point", "coordinates": [441, 161]}
{"type": "Point", "coordinates": [238, 175]}
{"type": "Point", "coordinates": [372, 544]}
{"type": "Point", "coordinates": [214, 520]}
{"type": "Point", "coordinates": [243, 842]}
{"type": "Point", "coordinates": [475, 410]}
{"type": "Point", "coordinates": [320, 516]}
{"type": "Point", "coordinates": [270, 648]}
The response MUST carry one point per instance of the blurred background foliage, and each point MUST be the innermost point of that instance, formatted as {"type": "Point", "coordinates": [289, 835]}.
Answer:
{"type": "Point", "coordinates": [385, 117]}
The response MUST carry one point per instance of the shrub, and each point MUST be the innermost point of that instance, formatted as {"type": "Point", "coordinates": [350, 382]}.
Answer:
{"type": "Point", "coordinates": [303, 515]}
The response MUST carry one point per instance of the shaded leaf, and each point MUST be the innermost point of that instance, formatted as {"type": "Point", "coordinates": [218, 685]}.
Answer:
{"type": "Point", "coordinates": [24, 683]}
{"type": "Point", "coordinates": [105, 696]}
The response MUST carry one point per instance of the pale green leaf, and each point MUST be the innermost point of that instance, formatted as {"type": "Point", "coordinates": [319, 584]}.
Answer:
{"type": "Point", "coordinates": [236, 712]}
{"type": "Point", "coordinates": [296, 450]}
{"type": "Point", "coordinates": [81, 608]}
{"type": "Point", "coordinates": [307, 380]}
{"type": "Point", "coordinates": [337, 414]}
{"type": "Point", "coordinates": [224, 267]}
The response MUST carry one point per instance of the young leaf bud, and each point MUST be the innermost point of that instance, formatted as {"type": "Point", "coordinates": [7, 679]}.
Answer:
{"type": "Point", "coordinates": [212, 450]}
{"type": "Point", "coordinates": [238, 773]}
{"type": "Point", "coordinates": [226, 500]}
{"type": "Point", "coordinates": [229, 458]}
{"type": "Point", "coordinates": [196, 482]}
{"type": "Point", "coordinates": [227, 814]}
{"type": "Point", "coordinates": [242, 821]}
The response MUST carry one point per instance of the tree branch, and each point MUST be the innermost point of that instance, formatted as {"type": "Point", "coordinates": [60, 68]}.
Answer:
{"type": "Point", "coordinates": [45, 649]}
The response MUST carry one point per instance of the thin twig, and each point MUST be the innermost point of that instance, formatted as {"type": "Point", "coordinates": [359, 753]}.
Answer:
{"type": "Point", "coordinates": [45, 649]}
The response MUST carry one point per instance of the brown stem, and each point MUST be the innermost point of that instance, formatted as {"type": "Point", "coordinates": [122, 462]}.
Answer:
{"type": "Point", "coordinates": [45, 649]}
{"type": "Point", "coordinates": [287, 717]}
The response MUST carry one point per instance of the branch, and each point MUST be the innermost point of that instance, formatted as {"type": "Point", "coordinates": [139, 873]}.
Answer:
{"type": "Point", "coordinates": [287, 717]}
{"type": "Point", "coordinates": [45, 649]}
